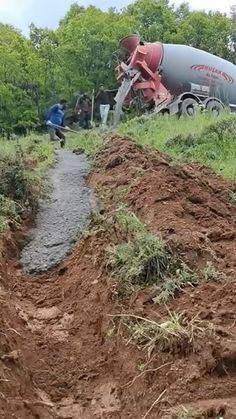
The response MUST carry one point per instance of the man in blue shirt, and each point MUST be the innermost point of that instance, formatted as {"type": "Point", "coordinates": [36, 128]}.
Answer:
{"type": "Point", "coordinates": [55, 120]}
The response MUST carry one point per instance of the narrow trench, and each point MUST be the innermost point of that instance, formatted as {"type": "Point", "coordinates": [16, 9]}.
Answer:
{"type": "Point", "coordinates": [65, 373]}
{"type": "Point", "coordinates": [60, 376]}
{"type": "Point", "coordinates": [62, 217]}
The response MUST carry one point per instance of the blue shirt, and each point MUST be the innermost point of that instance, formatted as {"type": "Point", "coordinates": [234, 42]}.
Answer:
{"type": "Point", "coordinates": [56, 115]}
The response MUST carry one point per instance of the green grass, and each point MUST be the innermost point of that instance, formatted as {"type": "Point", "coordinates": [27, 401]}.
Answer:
{"type": "Point", "coordinates": [155, 131]}
{"type": "Point", "coordinates": [177, 279]}
{"type": "Point", "coordinates": [23, 165]}
{"type": "Point", "coordinates": [210, 273]}
{"type": "Point", "coordinates": [204, 139]}
{"type": "Point", "coordinates": [128, 220]}
{"type": "Point", "coordinates": [174, 282]}
{"type": "Point", "coordinates": [144, 260]}
{"type": "Point", "coordinates": [89, 141]}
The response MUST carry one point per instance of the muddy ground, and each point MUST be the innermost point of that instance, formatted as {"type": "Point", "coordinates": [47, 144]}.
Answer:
{"type": "Point", "coordinates": [58, 357]}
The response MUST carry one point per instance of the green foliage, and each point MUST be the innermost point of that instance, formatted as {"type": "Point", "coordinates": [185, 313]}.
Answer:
{"type": "Point", "coordinates": [12, 177]}
{"type": "Point", "coordinates": [89, 141]}
{"type": "Point", "coordinates": [17, 91]}
{"type": "Point", "coordinates": [214, 146]}
{"type": "Point", "coordinates": [144, 260]}
{"type": "Point", "coordinates": [155, 20]}
{"type": "Point", "coordinates": [174, 282]}
{"type": "Point", "coordinates": [210, 273]}
{"type": "Point", "coordinates": [129, 221]}
{"type": "Point", "coordinates": [141, 261]}
{"type": "Point", "coordinates": [157, 130]}
{"type": "Point", "coordinates": [78, 56]}
{"type": "Point", "coordinates": [8, 213]}
{"type": "Point", "coordinates": [199, 30]}
{"type": "Point", "coordinates": [87, 40]}
{"type": "Point", "coordinates": [22, 171]}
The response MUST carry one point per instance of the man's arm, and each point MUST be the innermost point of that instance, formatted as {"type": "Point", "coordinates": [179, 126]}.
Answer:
{"type": "Point", "coordinates": [79, 104]}
{"type": "Point", "coordinates": [97, 95]}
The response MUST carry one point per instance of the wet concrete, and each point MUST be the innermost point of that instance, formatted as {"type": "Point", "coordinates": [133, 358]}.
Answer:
{"type": "Point", "coordinates": [62, 217]}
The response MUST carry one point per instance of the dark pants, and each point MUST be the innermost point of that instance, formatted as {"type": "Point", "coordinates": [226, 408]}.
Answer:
{"type": "Point", "coordinates": [85, 120]}
{"type": "Point", "coordinates": [56, 133]}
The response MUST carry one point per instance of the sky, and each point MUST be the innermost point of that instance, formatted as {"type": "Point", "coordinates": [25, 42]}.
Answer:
{"type": "Point", "coordinates": [21, 13]}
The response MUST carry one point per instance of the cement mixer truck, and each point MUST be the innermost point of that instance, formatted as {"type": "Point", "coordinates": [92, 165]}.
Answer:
{"type": "Point", "coordinates": [173, 79]}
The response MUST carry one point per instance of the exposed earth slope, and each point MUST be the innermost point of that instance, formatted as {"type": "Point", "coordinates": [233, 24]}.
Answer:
{"type": "Point", "coordinates": [64, 356]}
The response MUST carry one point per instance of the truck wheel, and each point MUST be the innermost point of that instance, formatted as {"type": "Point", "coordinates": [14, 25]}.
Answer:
{"type": "Point", "coordinates": [188, 107]}
{"type": "Point", "coordinates": [214, 107]}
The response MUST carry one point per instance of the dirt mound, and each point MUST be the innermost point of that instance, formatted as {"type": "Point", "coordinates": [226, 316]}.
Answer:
{"type": "Point", "coordinates": [189, 205]}
{"type": "Point", "coordinates": [59, 354]}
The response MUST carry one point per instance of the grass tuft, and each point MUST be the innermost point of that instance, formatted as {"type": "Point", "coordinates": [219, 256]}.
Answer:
{"type": "Point", "coordinates": [175, 282]}
{"type": "Point", "coordinates": [185, 413]}
{"type": "Point", "coordinates": [129, 221]}
{"type": "Point", "coordinates": [177, 332]}
{"type": "Point", "coordinates": [143, 260]}
{"type": "Point", "coordinates": [210, 273]}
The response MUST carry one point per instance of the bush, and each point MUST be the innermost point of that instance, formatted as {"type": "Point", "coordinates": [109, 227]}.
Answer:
{"type": "Point", "coordinates": [12, 178]}
{"type": "Point", "coordinates": [8, 213]}
{"type": "Point", "coordinates": [22, 170]}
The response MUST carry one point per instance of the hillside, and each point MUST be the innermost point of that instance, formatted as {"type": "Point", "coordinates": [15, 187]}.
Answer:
{"type": "Point", "coordinates": [139, 321]}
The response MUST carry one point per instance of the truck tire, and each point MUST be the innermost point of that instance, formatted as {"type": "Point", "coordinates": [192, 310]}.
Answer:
{"type": "Point", "coordinates": [188, 107]}
{"type": "Point", "coordinates": [214, 107]}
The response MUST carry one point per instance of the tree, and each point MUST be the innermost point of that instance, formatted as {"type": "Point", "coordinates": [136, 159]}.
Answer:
{"type": "Point", "coordinates": [154, 19]}
{"type": "Point", "coordinates": [207, 31]}
{"type": "Point", "coordinates": [232, 40]}
{"type": "Point", "coordinates": [78, 56]}
{"type": "Point", "coordinates": [182, 13]}
{"type": "Point", "coordinates": [87, 41]}
{"type": "Point", "coordinates": [16, 90]}
{"type": "Point", "coordinates": [45, 56]}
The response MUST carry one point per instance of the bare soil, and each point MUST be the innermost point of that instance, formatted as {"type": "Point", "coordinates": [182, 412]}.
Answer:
{"type": "Point", "coordinates": [58, 358]}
